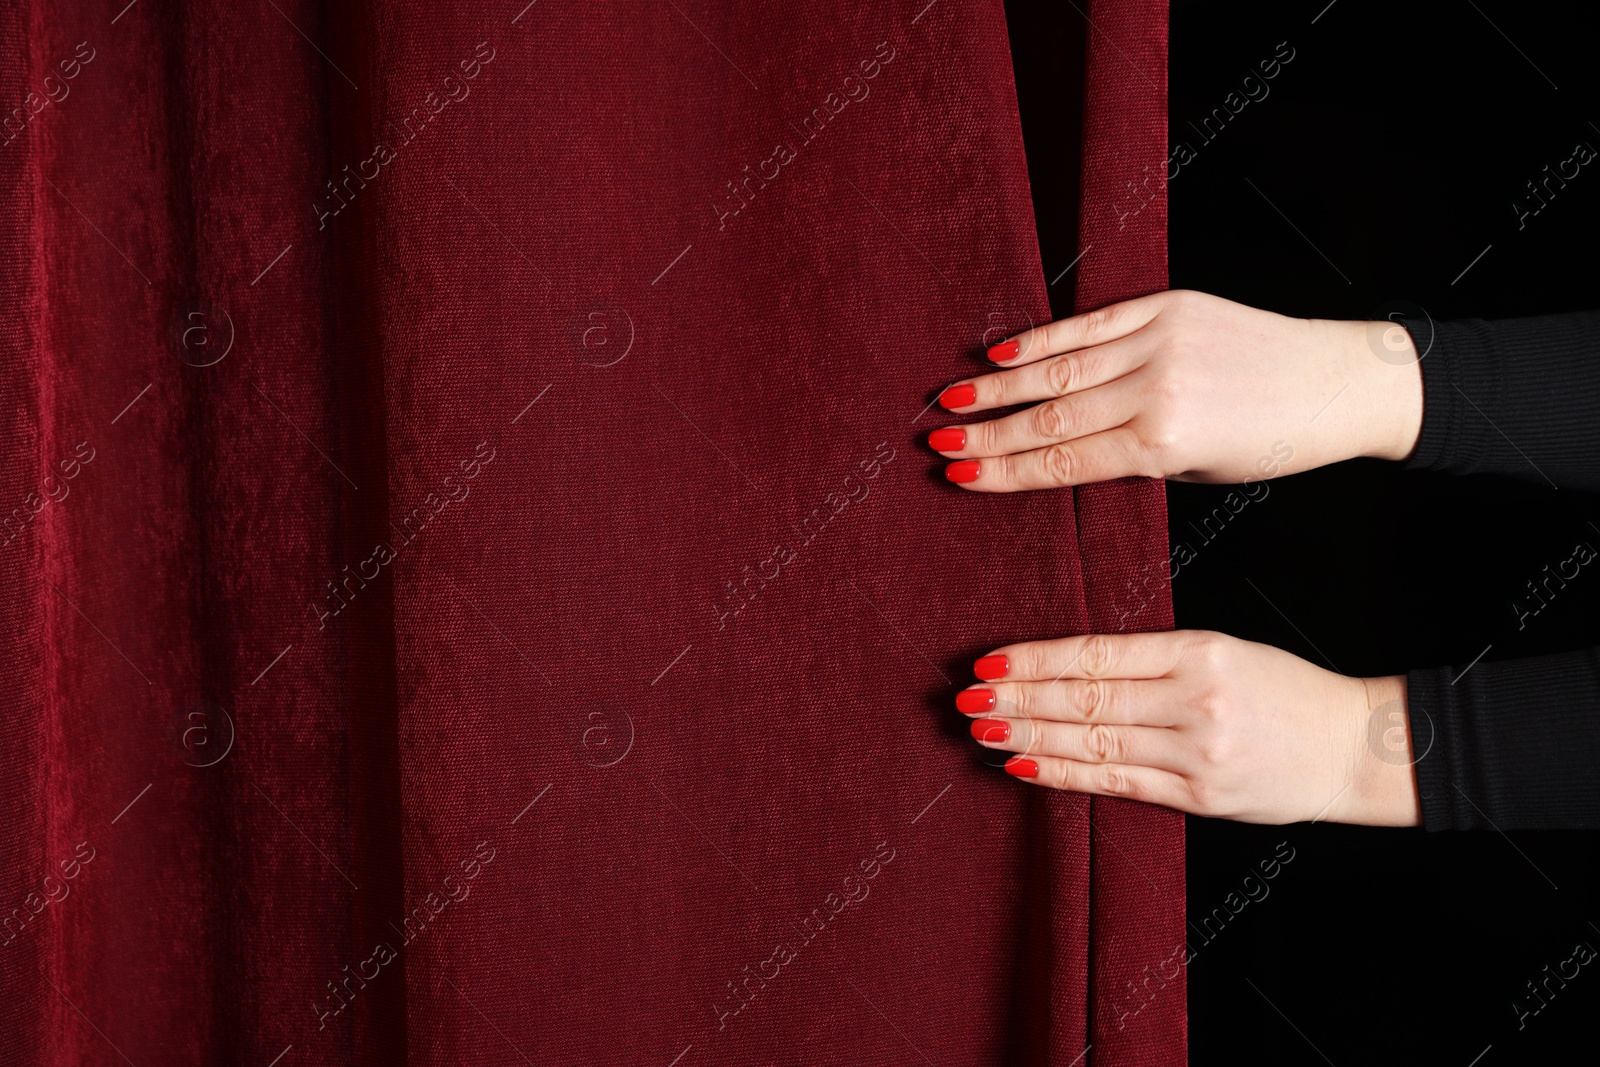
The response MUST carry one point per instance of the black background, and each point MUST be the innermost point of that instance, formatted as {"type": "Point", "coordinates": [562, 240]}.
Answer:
{"type": "Point", "coordinates": [1391, 147]}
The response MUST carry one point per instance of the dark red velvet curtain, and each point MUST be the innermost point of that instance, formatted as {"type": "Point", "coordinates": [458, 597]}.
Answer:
{"type": "Point", "coordinates": [473, 589]}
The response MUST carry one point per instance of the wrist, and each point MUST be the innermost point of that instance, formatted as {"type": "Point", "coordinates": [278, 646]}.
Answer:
{"type": "Point", "coordinates": [1387, 364]}
{"type": "Point", "coordinates": [1382, 781]}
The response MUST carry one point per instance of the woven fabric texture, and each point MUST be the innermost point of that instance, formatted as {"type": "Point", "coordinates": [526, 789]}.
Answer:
{"type": "Point", "coordinates": [474, 590]}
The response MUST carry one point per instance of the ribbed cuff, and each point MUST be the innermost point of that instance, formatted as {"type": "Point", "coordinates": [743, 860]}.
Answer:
{"type": "Point", "coordinates": [1517, 397]}
{"type": "Point", "coordinates": [1459, 369]}
{"type": "Point", "coordinates": [1515, 745]}
{"type": "Point", "coordinates": [1426, 694]}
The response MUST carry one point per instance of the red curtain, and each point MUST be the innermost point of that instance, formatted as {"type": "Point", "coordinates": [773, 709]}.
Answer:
{"type": "Point", "coordinates": [474, 590]}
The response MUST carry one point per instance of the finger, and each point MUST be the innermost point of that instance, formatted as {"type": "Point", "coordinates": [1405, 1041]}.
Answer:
{"type": "Point", "coordinates": [1114, 701]}
{"type": "Point", "coordinates": [1060, 376]}
{"type": "Point", "coordinates": [1079, 331]}
{"type": "Point", "coordinates": [1141, 655]}
{"type": "Point", "coordinates": [1063, 419]}
{"type": "Point", "coordinates": [1143, 746]}
{"type": "Point", "coordinates": [1099, 457]}
{"type": "Point", "coordinates": [1130, 781]}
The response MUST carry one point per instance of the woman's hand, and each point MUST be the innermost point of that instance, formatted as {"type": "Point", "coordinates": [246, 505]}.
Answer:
{"type": "Point", "coordinates": [1186, 386]}
{"type": "Point", "coordinates": [1201, 722]}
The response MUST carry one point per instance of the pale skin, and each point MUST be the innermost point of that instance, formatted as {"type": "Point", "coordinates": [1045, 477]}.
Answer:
{"type": "Point", "coordinates": [1191, 387]}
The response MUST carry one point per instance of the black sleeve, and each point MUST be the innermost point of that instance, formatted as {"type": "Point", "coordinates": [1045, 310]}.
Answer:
{"type": "Point", "coordinates": [1509, 745]}
{"type": "Point", "coordinates": [1512, 396]}
{"type": "Point", "coordinates": [1516, 744]}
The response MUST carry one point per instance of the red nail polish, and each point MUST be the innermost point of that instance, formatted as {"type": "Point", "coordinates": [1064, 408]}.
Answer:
{"type": "Point", "coordinates": [1004, 352]}
{"type": "Point", "coordinates": [949, 439]}
{"type": "Point", "coordinates": [991, 667]}
{"type": "Point", "coordinates": [975, 701]}
{"type": "Point", "coordinates": [962, 470]}
{"type": "Point", "coordinates": [991, 731]}
{"type": "Point", "coordinates": [958, 396]}
{"type": "Point", "coordinates": [1022, 768]}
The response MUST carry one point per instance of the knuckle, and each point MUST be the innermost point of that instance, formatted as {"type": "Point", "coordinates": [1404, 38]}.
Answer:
{"type": "Point", "coordinates": [1052, 420]}
{"type": "Point", "coordinates": [1179, 300]}
{"type": "Point", "coordinates": [1026, 736]}
{"type": "Point", "coordinates": [1209, 652]}
{"type": "Point", "coordinates": [1024, 701]}
{"type": "Point", "coordinates": [1088, 700]}
{"type": "Point", "coordinates": [1159, 436]}
{"type": "Point", "coordinates": [996, 390]}
{"type": "Point", "coordinates": [1105, 745]}
{"type": "Point", "coordinates": [1152, 461]}
{"type": "Point", "coordinates": [1114, 781]}
{"type": "Point", "coordinates": [1203, 799]}
{"type": "Point", "coordinates": [1054, 334]}
{"type": "Point", "coordinates": [1212, 705]}
{"type": "Point", "coordinates": [1027, 661]}
{"type": "Point", "coordinates": [1061, 465]}
{"type": "Point", "coordinates": [1061, 375]}
{"type": "Point", "coordinates": [1097, 656]}
{"type": "Point", "coordinates": [1032, 339]}
{"type": "Point", "coordinates": [1098, 321]}
{"type": "Point", "coordinates": [1054, 774]}
{"type": "Point", "coordinates": [1069, 775]}
{"type": "Point", "coordinates": [980, 438]}
{"type": "Point", "coordinates": [1001, 471]}
{"type": "Point", "coordinates": [1190, 310]}
{"type": "Point", "coordinates": [1216, 750]}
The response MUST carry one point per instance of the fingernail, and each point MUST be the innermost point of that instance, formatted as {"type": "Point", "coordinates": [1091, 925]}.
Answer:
{"type": "Point", "coordinates": [963, 470]}
{"type": "Point", "coordinates": [975, 701]}
{"type": "Point", "coordinates": [991, 667]}
{"type": "Point", "coordinates": [1004, 352]}
{"type": "Point", "coordinates": [949, 439]}
{"type": "Point", "coordinates": [1022, 768]}
{"type": "Point", "coordinates": [958, 396]}
{"type": "Point", "coordinates": [991, 731]}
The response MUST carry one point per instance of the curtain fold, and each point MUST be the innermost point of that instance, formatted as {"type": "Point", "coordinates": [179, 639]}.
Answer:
{"type": "Point", "coordinates": [474, 587]}
{"type": "Point", "coordinates": [1139, 959]}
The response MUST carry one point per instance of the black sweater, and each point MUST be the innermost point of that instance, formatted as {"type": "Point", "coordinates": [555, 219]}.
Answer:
{"type": "Point", "coordinates": [1511, 744]}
